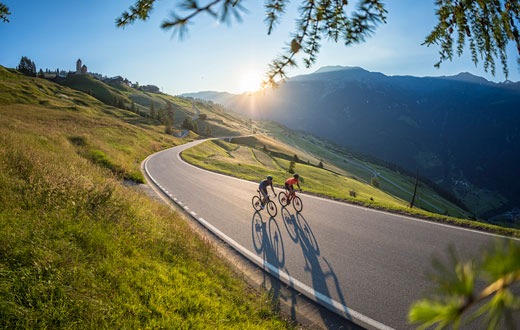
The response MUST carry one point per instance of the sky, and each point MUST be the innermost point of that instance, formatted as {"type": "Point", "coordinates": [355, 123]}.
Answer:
{"type": "Point", "coordinates": [214, 56]}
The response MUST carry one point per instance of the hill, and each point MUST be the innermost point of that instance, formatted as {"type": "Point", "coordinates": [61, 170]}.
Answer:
{"type": "Point", "coordinates": [80, 245]}
{"type": "Point", "coordinates": [461, 133]}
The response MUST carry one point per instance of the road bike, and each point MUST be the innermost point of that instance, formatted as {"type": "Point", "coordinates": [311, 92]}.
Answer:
{"type": "Point", "coordinates": [272, 209]}
{"type": "Point", "coordinates": [285, 198]}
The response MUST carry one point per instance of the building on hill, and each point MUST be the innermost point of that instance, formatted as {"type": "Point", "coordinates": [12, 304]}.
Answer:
{"type": "Point", "coordinates": [118, 80]}
{"type": "Point", "coordinates": [80, 69]}
{"type": "Point", "coordinates": [150, 89]}
{"type": "Point", "coordinates": [52, 75]}
{"type": "Point", "coordinates": [98, 76]}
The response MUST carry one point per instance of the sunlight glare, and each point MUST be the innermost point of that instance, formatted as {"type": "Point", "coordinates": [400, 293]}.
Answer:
{"type": "Point", "coordinates": [250, 82]}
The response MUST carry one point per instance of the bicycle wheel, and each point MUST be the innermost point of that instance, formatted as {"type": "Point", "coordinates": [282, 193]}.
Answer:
{"type": "Point", "coordinates": [282, 198]}
{"type": "Point", "coordinates": [297, 204]}
{"type": "Point", "coordinates": [257, 203]}
{"type": "Point", "coordinates": [272, 209]}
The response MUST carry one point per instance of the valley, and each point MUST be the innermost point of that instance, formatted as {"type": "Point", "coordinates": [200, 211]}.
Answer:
{"type": "Point", "coordinates": [460, 134]}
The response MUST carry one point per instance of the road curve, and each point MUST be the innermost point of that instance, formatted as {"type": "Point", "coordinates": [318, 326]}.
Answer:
{"type": "Point", "coordinates": [364, 264]}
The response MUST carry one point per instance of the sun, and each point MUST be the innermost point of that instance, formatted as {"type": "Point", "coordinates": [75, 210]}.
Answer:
{"type": "Point", "coordinates": [250, 82]}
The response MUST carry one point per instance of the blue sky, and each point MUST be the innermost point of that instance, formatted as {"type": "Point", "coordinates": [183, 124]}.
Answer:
{"type": "Point", "coordinates": [213, 56]}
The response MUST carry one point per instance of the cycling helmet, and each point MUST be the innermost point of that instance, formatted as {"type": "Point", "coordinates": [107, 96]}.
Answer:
{"type": "Point", "coordinates": [269, 177]}
{"type": "Point", "coordinates": [296, 176]}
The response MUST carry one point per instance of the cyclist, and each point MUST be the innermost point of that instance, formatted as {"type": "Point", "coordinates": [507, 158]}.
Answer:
{"type": "Point", "coordinates": [268, 181]}
{"type": "Point", "coordinates": [289, 184]}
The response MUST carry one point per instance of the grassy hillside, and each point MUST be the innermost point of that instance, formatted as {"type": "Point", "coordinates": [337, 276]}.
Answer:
{"type": "Point", "coordinates": [81, 249]}
{"type": "Point", "coordinates": [395, 183]}
{"type": "Point", "coordinates": [96, 88]}
{"type": "Point", "coordinates": [255, 164]}
{"type": "Point", "coordinates": [209, 119]}
{"type": "Point", "coordinates": [254, 157]}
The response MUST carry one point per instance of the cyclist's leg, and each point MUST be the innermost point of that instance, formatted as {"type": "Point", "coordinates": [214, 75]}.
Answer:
{"type": "Point", "coordinates": [286, 192]}
{"type": "Point", "coordinates": [263, 192]}
{"type": "Point", "coordinates": [291, 191]}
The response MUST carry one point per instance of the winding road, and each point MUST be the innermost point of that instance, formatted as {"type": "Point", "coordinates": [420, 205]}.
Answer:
{"type": "Point", "coordinates": [364, 264]}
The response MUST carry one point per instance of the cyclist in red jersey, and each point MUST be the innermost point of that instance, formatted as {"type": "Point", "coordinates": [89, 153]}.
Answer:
{"type": "Point", "coordinates": [289, 183]}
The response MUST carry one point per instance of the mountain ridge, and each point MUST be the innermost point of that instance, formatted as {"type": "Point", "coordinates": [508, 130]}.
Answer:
{"type": "Point", "coordinates": [460, 132]}
{"type": "Point", "coordinates": [461, 76]}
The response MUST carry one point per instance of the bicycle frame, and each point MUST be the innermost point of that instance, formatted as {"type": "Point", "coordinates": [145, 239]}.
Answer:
{"type": "Point", "coordinates": [267, 197]}
{"type": "Point", "coordinates": [290, 195]}
{"type": "Point", "coordinates": [291, 198]}
{"type": "Point", "coordinates": [258, 205]}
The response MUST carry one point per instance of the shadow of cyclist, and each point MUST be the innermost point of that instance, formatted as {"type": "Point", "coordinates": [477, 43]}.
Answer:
{"type": "Point", "coordinates": [324, 279]}
{"type": "Point", "coordinates": [267, 240]}
{"type": "Point", "coordinates": [268, 244]}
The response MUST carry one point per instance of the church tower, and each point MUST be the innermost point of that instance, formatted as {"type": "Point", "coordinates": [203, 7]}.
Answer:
{"type": "Point", "coordinates": [78, 66]}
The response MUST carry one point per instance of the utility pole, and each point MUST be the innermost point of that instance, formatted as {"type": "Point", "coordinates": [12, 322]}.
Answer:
{"type": "Point", "coordinates": [414, 189]}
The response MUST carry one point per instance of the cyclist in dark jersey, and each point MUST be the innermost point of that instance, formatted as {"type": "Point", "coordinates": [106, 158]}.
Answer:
{"type": "Point", "coordinates": [263, 188]}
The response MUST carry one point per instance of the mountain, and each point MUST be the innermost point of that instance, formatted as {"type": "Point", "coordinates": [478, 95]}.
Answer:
{"type": "Point", "coordinates": [461, 132]}
{"type": "Point", "coordinates": [217, 97]}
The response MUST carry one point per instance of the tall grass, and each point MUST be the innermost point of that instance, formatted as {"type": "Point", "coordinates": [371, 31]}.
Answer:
{"type": "Point", "coordinates": [80, 250]}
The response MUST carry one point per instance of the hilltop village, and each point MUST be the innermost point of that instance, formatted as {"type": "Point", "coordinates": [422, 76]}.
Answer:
{"type": "Point", "coordinates": [81, 69]}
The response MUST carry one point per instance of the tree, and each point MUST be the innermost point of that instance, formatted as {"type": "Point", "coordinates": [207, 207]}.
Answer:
{"type": "Point", "coordinates": [27, 67]}
{"type": "Point", "coordinates": [207, 130]}
{"type": "Point", "coordinates": [188, 124]}
{"type": "Point", "coordinates": [487, 26]}
{"type": "Point", "coordinates": [4, 12]}
{"type": "Point", "coordinates": [457, 293]}
{"type": "Point", "coordinates": [153, 113]}
{"type": "Point", "coordinates": [171, 116]}
{"type": "Point", "coordinates": [170, 112]}
{"type": "Point", "coordinates": [168, 129]}
{"type": "Point", "coordinates": [292, 164]}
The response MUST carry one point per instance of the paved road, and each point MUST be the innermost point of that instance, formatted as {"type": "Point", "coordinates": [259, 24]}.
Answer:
{"type": "Point", "coordinates": [366, 265]}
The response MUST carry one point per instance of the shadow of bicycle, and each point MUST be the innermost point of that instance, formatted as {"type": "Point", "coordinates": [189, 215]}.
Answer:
{"type": "Point", "coordinates": [325, 282]}
{"type": "Point", "coordinates": [299, 229]}
{"type": "Point", "coordinates": [267, 240]}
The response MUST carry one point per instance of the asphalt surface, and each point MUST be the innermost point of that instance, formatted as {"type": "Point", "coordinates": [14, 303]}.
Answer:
{"type": "Point", "coordinates": [367, 266]}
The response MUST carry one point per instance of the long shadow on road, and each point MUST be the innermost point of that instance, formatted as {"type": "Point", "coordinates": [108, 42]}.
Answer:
{"type": "Point", "coordinates": [268, 243]}
{"type": "Point", "coordinates": [321, 272]}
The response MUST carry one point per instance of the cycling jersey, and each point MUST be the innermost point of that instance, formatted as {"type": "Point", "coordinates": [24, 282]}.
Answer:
{"type": "Point", "coordinates": [264, 184]}
{"type": "Point", "coordinates": [291, 181]}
